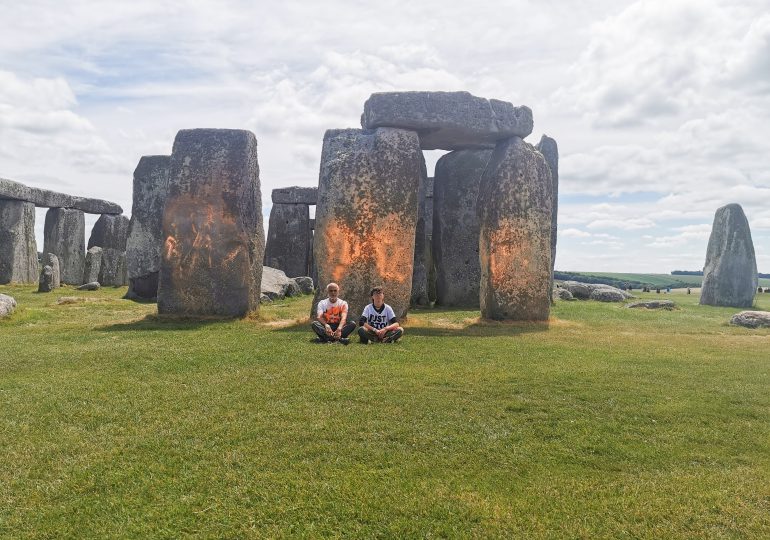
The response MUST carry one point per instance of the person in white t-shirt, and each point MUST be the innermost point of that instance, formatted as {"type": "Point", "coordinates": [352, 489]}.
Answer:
{"type": "Point", "coordinates": [378, 323]}
{"type": "Point", "coordinates": [332, 318]}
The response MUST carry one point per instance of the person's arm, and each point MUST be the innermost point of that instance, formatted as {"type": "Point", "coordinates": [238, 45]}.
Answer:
{"type": "Point", "coordinates": [343, 320]}
{"type": "Point", "coordinates": [322, 319]}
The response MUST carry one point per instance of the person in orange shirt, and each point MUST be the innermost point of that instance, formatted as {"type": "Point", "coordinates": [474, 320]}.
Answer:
{"type": "Point", "coordinates": [332, 318]}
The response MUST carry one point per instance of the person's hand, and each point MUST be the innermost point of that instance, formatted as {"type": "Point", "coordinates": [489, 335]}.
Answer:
{"type": "Point", "coordinates": [338, 333]}
{"type": "Point", "coordinates": [328, 330]}
{"type": "Point", "coordinates": [381, 333]}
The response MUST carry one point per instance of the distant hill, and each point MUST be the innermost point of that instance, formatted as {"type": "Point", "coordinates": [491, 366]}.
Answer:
{"type": "Point", "coordinates": [637, 281]}
{"type": "Point", "coordinates": [700, 273]}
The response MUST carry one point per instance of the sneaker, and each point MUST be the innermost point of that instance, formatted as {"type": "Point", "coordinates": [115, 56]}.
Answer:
{"type": "Point", "coordinates": [344, 340]}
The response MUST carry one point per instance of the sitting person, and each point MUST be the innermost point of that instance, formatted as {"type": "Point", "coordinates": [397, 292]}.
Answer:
{"type": "Point", "coordinates": [378, 321]}
{"type": "Point", "coordinates": [332, 315]}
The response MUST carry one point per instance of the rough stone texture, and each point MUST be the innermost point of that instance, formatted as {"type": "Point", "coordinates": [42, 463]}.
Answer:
{"type": "Point", "coordinates": [264, 299]}
{"type": "Point", "coordinates": [607, 295]}
{"type": "Point", "coordinates": [751, 319]}
{"type": "Point", "coordinates": [7, 305]}
{"type": "Point", "coordinates": [145, 230]}
{"type": "Point", "coordinates": [305, 284]}
{"type": "Point", "coordinates": [564, 294]}
{"type": "Point", "coordinates": [293, 289]}
{"type": "Point", "coordinates": [604, 287]}
{"type": "Point", "coordinates": [49, 259]}
{"type": "Point", "coordinates": [52, 199]}
{"type": "Point", "coordinates": [45, 283]}
{"type": "Point", "coordinates": [211, 263]}
{"type": "Point", "coordinates": [93, 286]}
{"type": "Point", "coordinates": [550, 150]}
{"type": "Point", "coordinates": [653, 304]}
{"type": "Point", "coordinates": [295, 195]}
{"type": "Point", "coordinates": [275, 283]}
{"type": "Point", "coordinates": [18, 248]}
{"type": "Point", "coordinates": [730, 273]}
{"type": "Point", "coordinates": [456, 227]}
{"type": "Point", "coordinates": [367, 215]}
{"type": "Point", "coordinates": [93, 265]}
{"type": "Point", "coordinates": [65, 236]}
{"type": "Point", "coordinates": [579, 290]}
{"type": "Point", "coordinates": [419, 296]}
{"type": "Point", "coordinates": [289, 239]}
{"type": "Point", "coordinates": [113, 269]}
{"type": "Point", "coordinates": [586, 291]}
{"type": "Point", "coordinates": [110, 231]}
{"type": "Point", "coordinates": [515, 234]}
{"type": "Point", "coordinates": [429, 261]}
{"type": "Point", "coordinates": [447, 120]}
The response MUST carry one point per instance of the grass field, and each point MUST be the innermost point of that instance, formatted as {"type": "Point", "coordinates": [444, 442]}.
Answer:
{"type": "Point", "coordinates": [604, 423]}
{"type": "Point", "coordinates": [659, 280]}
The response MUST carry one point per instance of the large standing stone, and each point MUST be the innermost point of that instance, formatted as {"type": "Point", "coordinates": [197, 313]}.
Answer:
{"type": "Point", "coordinates": [730, 273]}
{"type": "Point", "coordinates": [515, 233]}
{"type": "Point", "coordinates": [110, 231]}
{"type": "Point", "coordinates": [113, 268]}
{"type": "Point", "coordinates": [295, 195]}
{"type": "Point", "coordinates": [421, 249]}
{"type": "Point", "coordinates": [448, 120]}
{"type": "Point", "coordinates": [145, 230]}
{"type": "Point", "coordinates": [45, 283]}
{"type": "Point", "coordinates": [429, 261]}
{"type": "Point", "coordinates": [456, 227]}
{"type": "Point", "coordinates": [93, 264]}
{"type": "Point", "coordinates": [18, 248]}
{"type": "Point", "coordinates": [65, 236]}
{"type": "Point", "coordinates": [289, 239]}
{"type": "Point", "coordinates": [49, 259]}
{"type": "Point", "coordinates": [550, 150]}
{"type": "Point", "coordinates": [211, 263]}
{"type": "Point", "coordinates": [367, 215]}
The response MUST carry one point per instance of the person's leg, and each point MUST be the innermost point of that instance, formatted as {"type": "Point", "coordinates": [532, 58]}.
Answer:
{"type": "Point", "coordinates": [392, 335]}
{"type": "Point", "coordinates": [348, 328]}
{"type": "Point", "coordinates": [320, 331]}
{"type": "Point", "coordinates": [366, 335]}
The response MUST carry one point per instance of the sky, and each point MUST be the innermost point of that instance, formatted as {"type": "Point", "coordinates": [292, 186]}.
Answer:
{"type": "Point", "coordinates": [660, 108]}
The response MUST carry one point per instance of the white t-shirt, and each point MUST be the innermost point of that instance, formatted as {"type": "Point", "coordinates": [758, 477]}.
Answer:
{"type": "Point", "coordinates": [332, 312]}
{"type": "Point", "coordinates": [378, 319]}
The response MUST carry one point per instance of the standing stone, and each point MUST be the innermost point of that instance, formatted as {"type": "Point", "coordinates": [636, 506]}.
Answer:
{"type": "Point", "coordinates": [289, 239]}
{"type": "Point", "coordinates": [49, 259]}
{"type": "Point", "coordinates": [65, 236]}
{"type": "Point", "coordinates": [429, 259]}
{"type": "Point", "coordinates": [18, 248]}
{"type": "Point", "coordinates": [145, 230]}
{"type": "Point", "coordinates": [548, 147]}
{"type": "Point", "coordinates": [456, 227]}
{"type": "Point", "coordinates": [45, 283]}
{"type": "Point", "coordinates": [110, 231]}
{"type": "Point", "coordinates": [730, 273]}
{"type": "Point", "coordinates": [93, 265]}
{"type": "Point", "coordinates": [421, 250]}
{"type": "Point", "coordinates": [367, 215]}
{"type": "Point", "coordinates": [113, 268]}
{"type": "Point", "coordinates": [211, 263]}
{"type": "Point", "coordinates": [515, 199]}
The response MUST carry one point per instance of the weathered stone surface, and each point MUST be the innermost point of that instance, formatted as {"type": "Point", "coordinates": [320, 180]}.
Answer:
{"type": "Point", "coordinates": [564, 294]}
{"type": "Point", "coordinates": [211, 262]}
{"type": "Point", "coordinates": [456, 227]}
{"type": "Point", "coordinates": [293, 288]}
{"type": "Point", "coordinates": [579, 290]}
{"type": "Point", "coordinates": [448, 120]}
{"type": "Point", "coordinates": [586, 291]}
{"type": "Point", "coordinates": [289, 239]}
{"type": "Point", "coordinates": [312, 223]}
{"type": "Point", "coordinates": [18, 248]}
{"type": "Point", "coordinates": [419, 295]}
{"type": "Point", "coordinates": [653, 304]}
{"type": "Point", "coordinates": [7, 305]}
{"type": "Point", "coordinates": [93, 265]}
{"type": "Point", "coordinates": [607, 295]}
{"type": "Point", "coordinates": [52, 199]}
{"type": "Point", "coordinates": [367, 215]}
{"type": "Point", "coordinates": [113, 269]}
{"type": "Point", "coordinates": [93, 286]}
{"type": "Point", "coordinates": [515, 233]}
{"type": "Point", "coordinates": [295, 195]}
{"type": "Point", "coordinates": [429, 260]}
{"type": "Point", "coordinates": [305, 284]}
{"type": "Point", "coordinates": [45, 283]}
{"type": "Point", "coordinates": [730, 273]}
{"type": "Point", "coordinates": [110, 231]}
{"type": "Point", "coordinates": [275, 283]}
{"type": "Point", "coordinates": [145, 230]}
{"type": "Point", "coordinates": [49, 259]}
{"type": "Point", "coordinates": [264, 299]}
{"type": "Point", "coordinates": [550, 150]}
{"type": "Point", "coordinates": [65, 236]}
{"type": "Point", "coordinates": [751, 319]}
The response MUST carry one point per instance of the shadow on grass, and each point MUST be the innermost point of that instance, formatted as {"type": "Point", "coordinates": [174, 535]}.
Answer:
{"type": "Point", "coordinates": [154, 322]}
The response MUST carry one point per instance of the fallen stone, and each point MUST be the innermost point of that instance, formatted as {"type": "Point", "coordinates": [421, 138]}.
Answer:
{"type": "Point", "coordinates": [110, 231]}
{"type": "Point", "coordinates": [289, 239]}
{"type": "Point", "coordinates": [64, 236]}
{"type": "Point", "coordinates": [7, 305]}
{"type": "Point", "coordinates": [751, 319]}
{"type": "Point", "coordinates": [143, 287]}
{"type": "Point", "coordinates": [93, 286]}
{"type": "Point", "coordinates": [49, 259]}
{"type": "Point", "coordinates": [295, 195]}
{"type": "Point", "coordinates": [456, 227]}
{"type": "Point", "coordinates": [93, 265]}
{"type": "Point", "coordinates": [580, 291]}
{"type": "Point", "coordinates": [653, 304]}
{"type": "Point", "coordinates": [275, 283]}
{"type": "Point", "coordinates": [305, 284]}
{"type": "Point", "coordinates": [515, 234]}
{"type": "Point", "coordinates": [113, 268]}
{"type": "Point", "coordinates": [293, 289]}
{"type": "Point", "coordinates": [52, 199]}
{"type": "Point", "coordinates": [607, 295]}
{"type": "Point", "coordinates": [730, 273]}
{"type": "Point", "coordinates": [366, 216]}
{"type": "Point", "coordinates": [447, 120]}
{"type": "Point", "coordinates": [18, 248]}
{"type": "Point", "coordinates": [264, 299]}
{"type": "Point", "coordinates": [211, 263]}
{"type": "Point", "coordinates": [564, 294]}
{"type": "Point", "coordinates": [45, 283]}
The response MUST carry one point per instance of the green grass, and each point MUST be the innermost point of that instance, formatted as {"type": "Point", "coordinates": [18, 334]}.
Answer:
{"type": "Point", "coordinates": [605, 423]}
{"type": "Point", "coordinates": [659, 280]}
